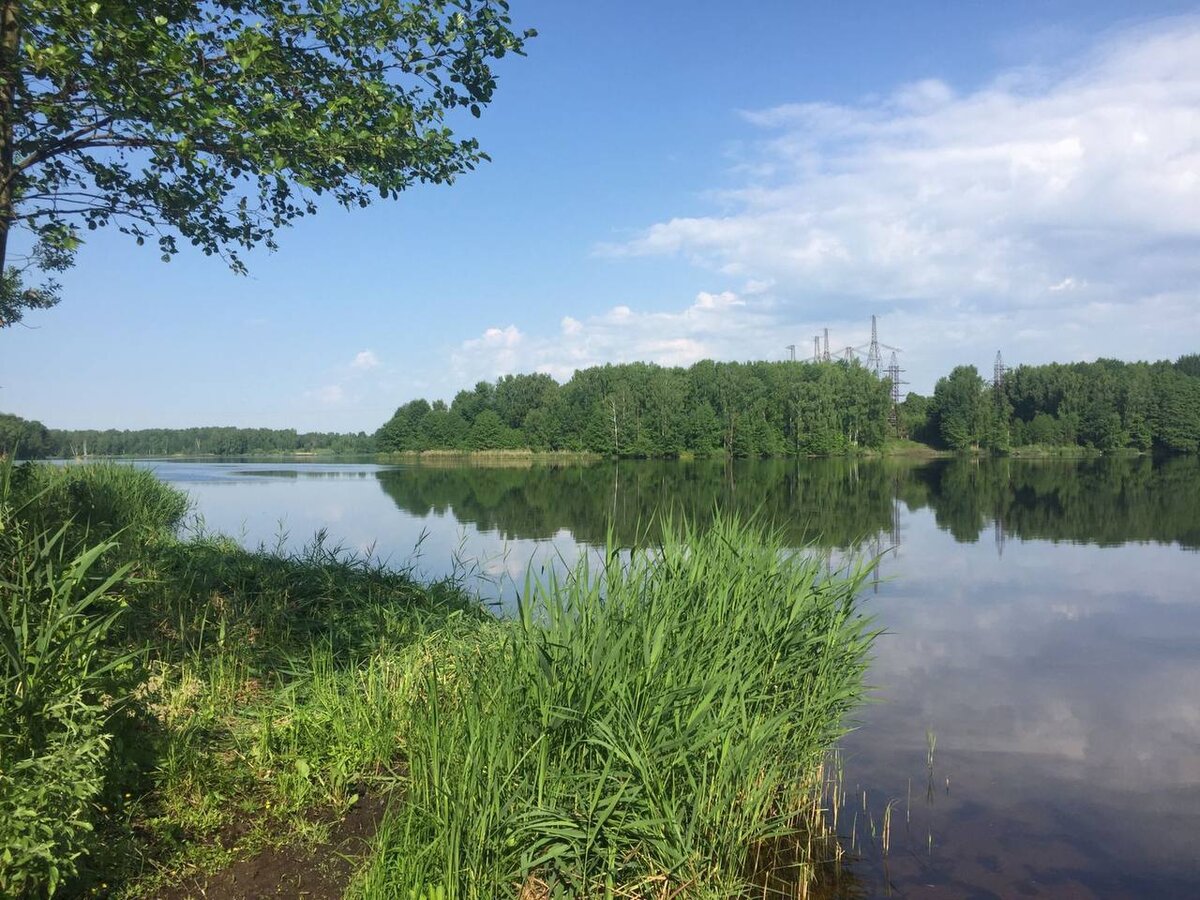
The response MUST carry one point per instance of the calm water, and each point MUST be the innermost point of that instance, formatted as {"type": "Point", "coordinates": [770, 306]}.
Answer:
{"type": "Point", "coordinates": [1043, 623]}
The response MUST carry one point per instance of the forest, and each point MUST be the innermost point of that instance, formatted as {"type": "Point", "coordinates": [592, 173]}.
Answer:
{"type": "Point", "coordinates": [33, 440]}
{"type": "Point", "coordinates": [804, 408]}
{"type": "Point", "coordinates": [754, 409]}
{"type": "Point", "coordinates": [645, 410]}
{"type": "Point", "coordinates": [1105, 405]}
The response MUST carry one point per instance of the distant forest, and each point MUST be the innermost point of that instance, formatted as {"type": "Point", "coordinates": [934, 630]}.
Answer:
{"type": "Point", "coordinates": [733, 409]}
{"type": "Point", "coordinates": [638, 409]}
{"type": "Point", "coordinates": [805, 408]}
{"type": "Point", "coordinates": [1107, 405]}
{"type": "Point", "coordinates": [33, 440]}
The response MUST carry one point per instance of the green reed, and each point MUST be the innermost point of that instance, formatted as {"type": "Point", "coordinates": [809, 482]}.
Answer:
{"type": "Point", "coordinates": [642, 727]}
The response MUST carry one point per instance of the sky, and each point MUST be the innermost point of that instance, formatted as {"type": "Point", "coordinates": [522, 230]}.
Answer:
{"type": "Point", "coordinates": [686, 179]}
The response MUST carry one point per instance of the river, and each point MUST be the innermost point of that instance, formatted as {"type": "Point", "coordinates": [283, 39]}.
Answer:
{"type": "Point", "coordinates": [1035, 713]}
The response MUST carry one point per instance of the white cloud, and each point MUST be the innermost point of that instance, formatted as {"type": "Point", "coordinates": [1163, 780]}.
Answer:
{"type": "Point", "coordinates": [1051, 214]}
{"type": "Point", "coordinates": [714, 325]}
{"type": "Point", "coordinates": [365, 361]}
{"type": "Point", "coordinates": [1067, 284]}
{"type": "Point", "coordinates": [931, 204]}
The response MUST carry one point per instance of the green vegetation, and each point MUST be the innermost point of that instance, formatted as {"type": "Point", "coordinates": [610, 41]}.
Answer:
{"type": "Point", "coordinates": [816, 409]}
{"type": "Point", "coordinates": [760, 409]}
{"type": "Point", "coordinates": [33, 440]}
{"type": "Point", "coordinates": [639, 730]}
{"type": "Point", "coordinates": [173, 705]}
{"type": "Point", "coordinates": [221, 122]}
{"type": "Point", "coordinates": [738, 409]}
{"type": "Point", "coordinates": [1107, 406]}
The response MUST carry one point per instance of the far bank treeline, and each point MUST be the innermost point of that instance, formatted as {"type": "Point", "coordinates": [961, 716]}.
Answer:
{"type": "Point", "coordinates": [33, 440]}
{"type": "Point", "coordinates": [803, 408]}
{"type": "Point", "coordinates": [735, 409]}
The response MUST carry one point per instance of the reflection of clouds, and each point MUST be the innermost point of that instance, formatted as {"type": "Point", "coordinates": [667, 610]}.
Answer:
{"type": "Point", "coordinates": [1060, 677]}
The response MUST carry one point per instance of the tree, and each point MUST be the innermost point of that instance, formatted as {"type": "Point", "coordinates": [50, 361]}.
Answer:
{"type": "Point", "coordinates": [488, 432]}
{"type": "Point", "coordinates": [221, 122]}
{"type": "Point", "coordinates": [959, 407]}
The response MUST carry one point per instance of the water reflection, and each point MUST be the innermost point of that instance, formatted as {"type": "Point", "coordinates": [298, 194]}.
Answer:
{"type": "Point", "coordinates": [834, 503]}
{"type": "Point", "coordinates": [1041, 620]}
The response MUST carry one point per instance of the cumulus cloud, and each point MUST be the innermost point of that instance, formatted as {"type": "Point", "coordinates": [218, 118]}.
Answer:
{"type": "Point", "coordinates": [1053, 214]}
{"type": "Point", "coordinates": [365, 361]}
{"type": "Point", "coordinates": [720, 325]}
{"type": "Point", "coordinates": [1042, 196]}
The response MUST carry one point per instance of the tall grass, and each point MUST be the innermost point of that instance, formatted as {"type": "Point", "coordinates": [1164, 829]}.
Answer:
{"type": "Point", "coordinates": [57, 608]}
{"type": "Point", "coordinates": [643, 728]}
{"type": "Point", "coordinates": [98, 501]}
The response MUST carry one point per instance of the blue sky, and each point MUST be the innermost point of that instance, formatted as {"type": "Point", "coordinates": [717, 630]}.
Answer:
{"type": "Point", "coordinates": [676, 180]}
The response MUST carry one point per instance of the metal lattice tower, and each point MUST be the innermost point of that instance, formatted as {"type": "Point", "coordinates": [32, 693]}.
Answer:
{"type": "Point", "coordinates": [893, 374]}
{"type": "Point", "coordinates": [791, 349]}
{"type": "Point", "coordinates": [816, 348]}
{"type": "Point", "coordinates": [999, 371]}
{"type": "Point", "coordinates": [850, 354]}
{"type": "Point", "coordinates": [825, 352]}
{"type": "Point", "coordinates": [874, 356]}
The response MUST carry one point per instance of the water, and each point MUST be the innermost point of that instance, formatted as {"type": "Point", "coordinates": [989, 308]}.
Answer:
{"type": "Point", "coordinates": [1042, 619]}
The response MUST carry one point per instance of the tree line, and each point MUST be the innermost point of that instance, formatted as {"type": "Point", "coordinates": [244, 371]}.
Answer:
{"type": "Point", "coordinates": [1106, 405]}
{"type": "Point", "coordinates": [712, 408]}
{"type": "Point", "coordinates": [33, 440]}
{"type": "Point", "coordinates": [645, 410]}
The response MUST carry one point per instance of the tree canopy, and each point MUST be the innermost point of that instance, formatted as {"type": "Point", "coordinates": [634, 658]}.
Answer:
{"type": "Point", "coordinates": [1104, 405]}
{"type": "Point", "coordinates": [644, 410]}
{"type": "Point", "coordinates": [219, 122]}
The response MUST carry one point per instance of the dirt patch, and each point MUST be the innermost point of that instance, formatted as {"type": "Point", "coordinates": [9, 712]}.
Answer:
{"type": "Point", "coordinates": [321, 872]}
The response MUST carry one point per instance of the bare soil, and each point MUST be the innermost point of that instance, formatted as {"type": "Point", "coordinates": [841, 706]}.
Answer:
{"type": "Point", "coordinates": [306, 873]}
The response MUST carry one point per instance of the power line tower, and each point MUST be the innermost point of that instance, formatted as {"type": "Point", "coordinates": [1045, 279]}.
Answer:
{"type": "Point", "coordinates": [816, 348]}
{"type": "Point", "coordinates": [825, 352]}
{"type": "Point", "coordinates": [874, 356]}
{"type": "Point", "coordinates": [791, 349]}
{"type": "Point", "coordinates": [999, 372]}
{"type": "Point", "coordinates": [893, 374]}
{"type": "Point", "coordinates": [850, 354]}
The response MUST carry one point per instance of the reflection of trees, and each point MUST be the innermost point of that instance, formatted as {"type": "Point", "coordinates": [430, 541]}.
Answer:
{"type": "Point", "coordinates": [1104, 501]}
{"type": "Point", "coordinates": [831, 502]}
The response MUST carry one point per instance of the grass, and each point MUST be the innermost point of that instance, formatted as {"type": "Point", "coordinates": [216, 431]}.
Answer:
{"type": "Point", "coordinates": [652, 724]}
{"type": "Point", "coordinates": [640, 730]}
{"type": "Point", "coordinates": [1045, 451]}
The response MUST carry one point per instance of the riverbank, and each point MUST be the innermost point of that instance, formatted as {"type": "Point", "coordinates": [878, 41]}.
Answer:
{"type": "Point", "coordinates": [214, 714]}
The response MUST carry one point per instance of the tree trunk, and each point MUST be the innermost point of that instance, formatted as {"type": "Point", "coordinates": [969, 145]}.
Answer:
{"type": "Point", "coordinates": [10, 45]}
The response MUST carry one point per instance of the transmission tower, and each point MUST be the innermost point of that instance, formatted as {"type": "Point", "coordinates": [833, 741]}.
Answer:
{"type": "Point", "coordinates": [825, 352]}
{"type": "Point", "coordinates": [874, 357]}
{"type": "Point", "coordinates": [850, 354]}
{"type": "Point", "coordinates": [816, 348]}
{"type": "Point", "coordinates": [999, 371]}
{"type": "Point", "coordinates": [893, 374]}
{"type": "Point", "coordinates": [791, 349]}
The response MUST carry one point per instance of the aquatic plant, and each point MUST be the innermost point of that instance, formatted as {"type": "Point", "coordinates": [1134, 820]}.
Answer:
{"type": "Point", "coordinates": [642, 727]}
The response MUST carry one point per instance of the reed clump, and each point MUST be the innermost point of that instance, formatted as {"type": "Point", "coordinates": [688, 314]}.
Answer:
{"type": "Point", "coordinates": [643, 726]}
